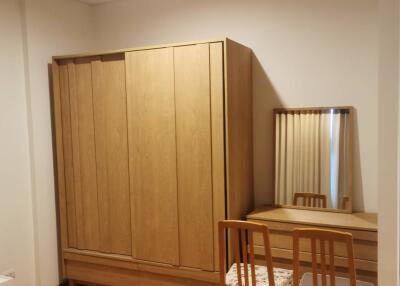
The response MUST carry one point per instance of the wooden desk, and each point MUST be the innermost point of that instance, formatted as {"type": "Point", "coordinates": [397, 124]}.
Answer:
{"type": "Point", "coordinates": [281, 222]}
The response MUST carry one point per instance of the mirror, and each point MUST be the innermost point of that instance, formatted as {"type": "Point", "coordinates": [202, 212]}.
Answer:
{"type": "Point", "coordinates": [313, 158]}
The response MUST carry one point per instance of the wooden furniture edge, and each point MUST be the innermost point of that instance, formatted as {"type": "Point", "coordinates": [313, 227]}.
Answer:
{"type": "Point", "coordinates": [229, 94]}
{"type": "Point", "coordinates": [351, 111]}
{"type": "Point", "coordinates": [59, 168]}
{"type": "Point", "coordinates": [98, 274]}
{"type": "Point", "coordinates": [304, 224]}
{"type": "Point", "coordinates": [130, 263]}
{"type": "Point", "coordinates": [149, 47]}
{"type": "Point", "coordinates": [318, 209]}
{"type": "Point", "coordinates": [255, 216]}
{"type": "Point", "coordinates": [287, 228]}
{"type": "Point", "coordinates": [312, 108]}
{"type": "Point", "coordinates": [361, 264]}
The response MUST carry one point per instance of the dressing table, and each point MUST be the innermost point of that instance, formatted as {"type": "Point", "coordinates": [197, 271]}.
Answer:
{"type": "Point", "coordinates": [281, 222]}
{"type": "Point", "coordinates": [313, 180]}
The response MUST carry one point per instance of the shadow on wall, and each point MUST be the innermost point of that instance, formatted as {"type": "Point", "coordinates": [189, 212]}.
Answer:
{"type": "Point", "coordinates": [56, 203]}
{"type": "Point", "coordinates": [358, 190]}
{"type": "Point", "coordinates": [265, 99]}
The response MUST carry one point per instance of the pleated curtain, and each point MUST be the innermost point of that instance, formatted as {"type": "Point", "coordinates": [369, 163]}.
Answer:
{"type": "Point", "coordinates": [309, 150]}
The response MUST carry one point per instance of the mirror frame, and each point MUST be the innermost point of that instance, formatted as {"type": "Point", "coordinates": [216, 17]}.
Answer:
{"type": "Point", "coordinates": [350, 110]}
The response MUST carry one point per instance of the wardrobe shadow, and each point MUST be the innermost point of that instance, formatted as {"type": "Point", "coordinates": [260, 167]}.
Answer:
{"type": "Point", "coordinates": [265, 99]}
{"type": "Point", "coordinates": [56, 202]}
{"type": "Point", "coordinates": [358, 191]}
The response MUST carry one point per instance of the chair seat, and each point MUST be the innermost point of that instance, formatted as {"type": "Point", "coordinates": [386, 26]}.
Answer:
{"type": "Point", "coordinates": [307, 280]}
{"type": "Point", "coordinates": [283, 277]}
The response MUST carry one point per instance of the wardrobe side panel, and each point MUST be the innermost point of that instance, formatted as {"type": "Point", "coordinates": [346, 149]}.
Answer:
{"type": "Point", "coordinates": [193, 127]}
{"type": "Point", "coordinates": [152, 154]}
{"type": "Point", "coordinates": [217, 137]}
{"type": "Point", "coordinates": [111, 138]}
{"type": "Point", "coordinates": [59, 159]}
{"type": "Point", "coordinates": [239, 130]}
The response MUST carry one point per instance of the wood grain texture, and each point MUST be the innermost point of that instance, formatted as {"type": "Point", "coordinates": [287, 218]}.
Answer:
{"type": "Point", "coordinates": [309, 200]}
{"type": "Point", "coordinates": [239, 129]}
{"type": "Point", "coordinates": [128, 262]}
{"type": "Point", "coordinates": [84, 153]}
{"type": "Point", "coordinates": [356, 221]}
{"type": "Point", "coordinates": [152, 145]}
{"type": "Point", "coordinates": [281, 239]}
{"type": "Point", "coordinates": [76, 177]}
{"type": "Point", "coordinates": [110, 52]}
{"type": "Point", "coordinates": [193, 131]}
{"type": "Point", "coordinates": [106, 275]}
{"type": "Point", "coordinates": [67, 155]}
{"type": "Point", "coordinates": [283, 227]}
{"type": "Point", "coordinates": [282, 222]}
{"type": "Point", "coordinates": [246, 231]}
{"type": "Point", "coordinates": [277, 254]}
{"type": "Point", "coordinates": [60, 175]}
{"type": "Point", "coordinates": [317, 235]}
{"type": "Point", "coordinates": [217, 139]}
{"type": "Point", "coordinates": [182, 116]}
{"type": "Point", "coordinates": [110, 117]}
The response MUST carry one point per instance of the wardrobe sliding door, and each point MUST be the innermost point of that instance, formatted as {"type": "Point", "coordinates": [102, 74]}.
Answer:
{"type": "Point", "coordinates": [79, 154]}
{"type": "Point", "coordinates": [194, 121]}
{"type": "Point", "coordinates": [152, 154]}
{"type": "Point", "coordinates": [93, 113]}
{"type": "Point", "coordinates": [111, 133]}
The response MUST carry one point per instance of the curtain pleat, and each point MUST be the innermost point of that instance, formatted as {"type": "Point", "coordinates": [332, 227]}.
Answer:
{"type": "Point", "coordinates": [289, 157]}
{"type": "Point", "coordinates": [278, 190]}
{"type": "Point", "coordinates": [304, 144]}
{"type": "Point", "coordinates": [325, 156]}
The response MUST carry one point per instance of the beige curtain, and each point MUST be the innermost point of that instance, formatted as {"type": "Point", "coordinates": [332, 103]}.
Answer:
{"type": "Point", "coordinates": [305, 143]}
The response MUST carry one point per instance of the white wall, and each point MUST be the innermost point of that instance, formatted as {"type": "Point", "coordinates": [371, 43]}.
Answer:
{"type": "Point", "coordinates": [32, 32]}
{"type": "Point", "coordinates": [52, 28]}
{"type": "Point", "coordinates": [16, 224]}
{"type": "Point", "coordinates": [309, 53]}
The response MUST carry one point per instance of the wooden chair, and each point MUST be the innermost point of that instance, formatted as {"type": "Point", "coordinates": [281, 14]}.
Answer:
{"type": "Point", "coordinates": [345, 201]}
{"type": "Point", "coordinates": [242, 240]}
{"type": "Point", "coordinates": [323, 238]}
{"type": "Point", "coordinates": [310, 200]}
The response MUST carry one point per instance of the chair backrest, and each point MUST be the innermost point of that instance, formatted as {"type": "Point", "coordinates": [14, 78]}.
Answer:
{"type": "Point", "coordinates": [345, 201]}
{"type": "Point", "coordinates": [242, 235]}
{"type": "Point", "coordinates": [323, 237]}
{"type": "Point", "coordinates": [310, 200]}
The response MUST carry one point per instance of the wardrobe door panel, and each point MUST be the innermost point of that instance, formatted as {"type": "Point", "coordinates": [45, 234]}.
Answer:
{"type": "Point", "coordinates": [76, 181]}
{"type": "Point", "coordinates": [67, 153]}
{"type": "Point", "coordinates": [83, 149]}
{"type": "Point", "coordinates": [111, 133]}
{"type": "Point", "coordinates": [152, 154]}
{"type": "Point", "coordinates": [193, 127]}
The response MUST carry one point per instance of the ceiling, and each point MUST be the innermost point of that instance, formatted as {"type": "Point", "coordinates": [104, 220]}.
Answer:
{"type": "Point", "coordinates": [94, 2]}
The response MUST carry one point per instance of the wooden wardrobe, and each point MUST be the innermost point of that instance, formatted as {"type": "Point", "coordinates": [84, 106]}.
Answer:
{"type": "Point", "coordinates": [153, 148]}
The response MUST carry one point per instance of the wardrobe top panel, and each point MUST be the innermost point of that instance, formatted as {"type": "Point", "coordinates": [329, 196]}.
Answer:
{"type": "Point", "coordinates": [98, 53]}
